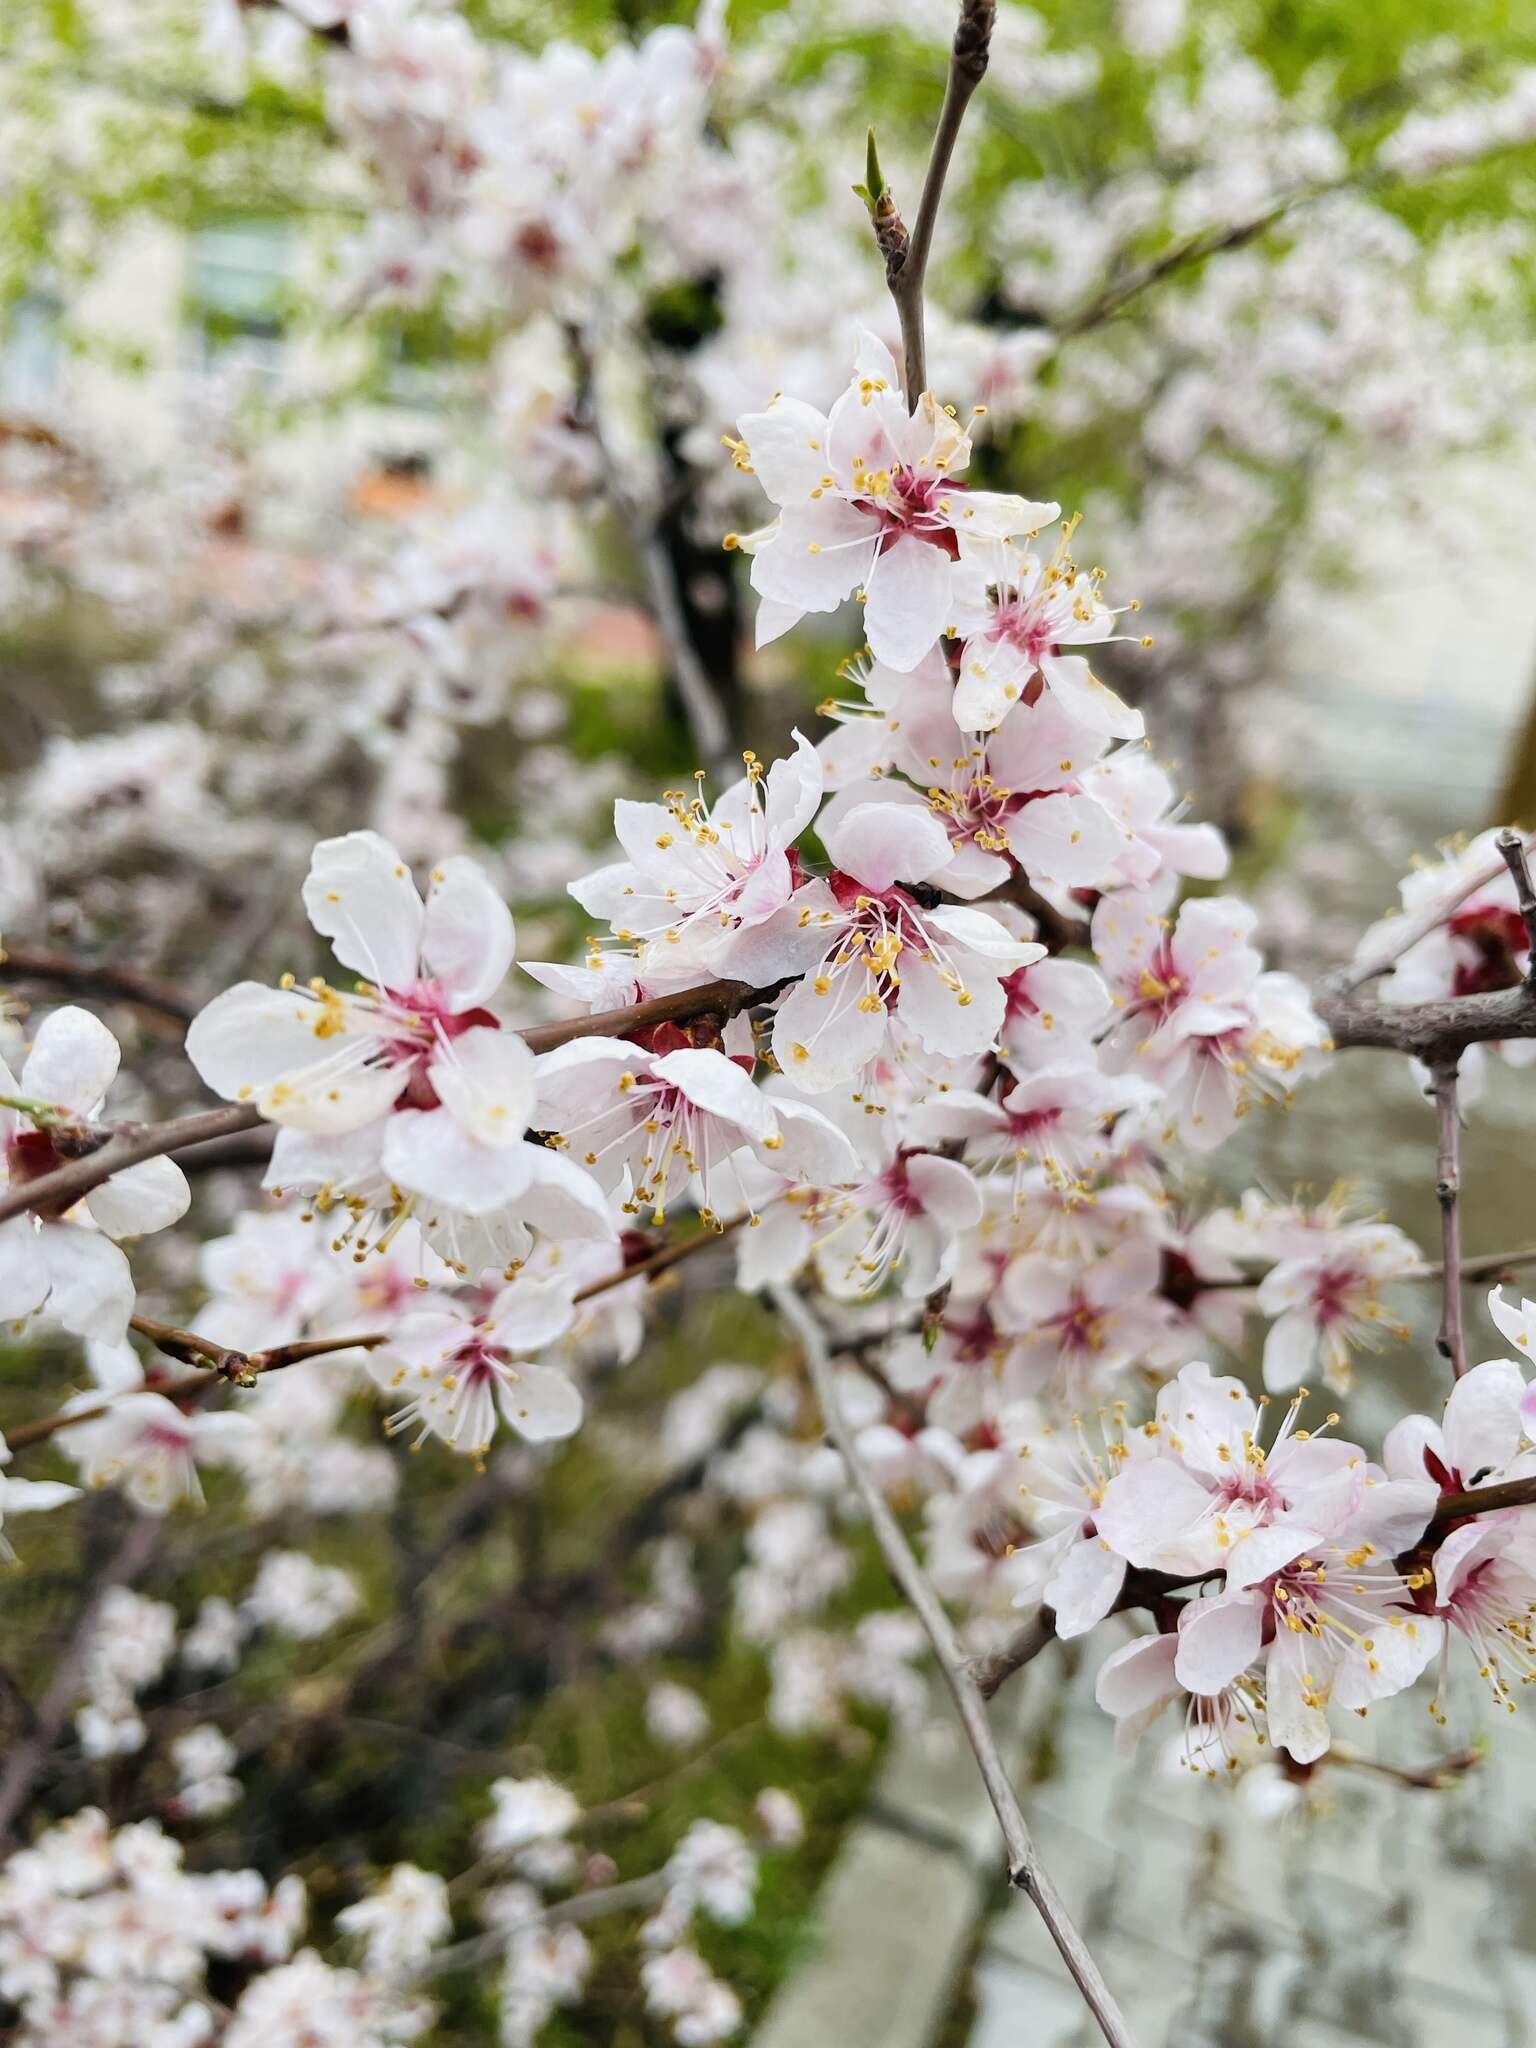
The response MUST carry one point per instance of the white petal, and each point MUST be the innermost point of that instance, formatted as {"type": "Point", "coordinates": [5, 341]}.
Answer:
{"type": "Point", "coordinates": [946, 1189]}
{"type": "Point", "coordinates": [788, 447]}
{"type": "Point", "coordinates": [880, 844]}
{"type": "Point", "coordinates": [908, 605]}
{"type": "Point", "coordinates": [23, 1269]}
{"type": "Point", "coordinates": [1218, 1639]}
{"type": "Point", "coordinates": [1137, 1677]}
{"type": "Point", "coordinates": [73, 1061]}
{"type": "Point", "coordinates": [140, 1199]}
{"type": "Point", "coordinates": [1089, 701]}
{"type": "Point", "coordinates": [529, 1314]}
{"type": "Point", "coordinates": [718, 1086]}
{"type": "Point", "coordinates": [1085, 1586]}
{"type": "Point", "coordinates": [428, 1152]}
{"type": "Point", "coordinates": [90, 1285]}
{"type": "Point", "coordinates": [359, 895]}
{"type": "Point", "coordinates": [467, 937]}
{"type": "Point", "coordinates": [541, 1404]}
{"type": "Point", "coordinates": [1071, 840]}
{"type": "Point", "coordinates": [487, 1081]}
{"type": "Point", "coordinates": [1482, 1418]}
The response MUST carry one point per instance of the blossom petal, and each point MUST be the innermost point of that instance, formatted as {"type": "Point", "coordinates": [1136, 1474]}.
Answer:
{"type": "Point", "coordinates": [359, 895]}
{"type": "Point", "coordinates": [541, 1404]}
{"type": "Point", "coordinates": [1150, 1510]}
{"type": "Point", "coordinates": [140, 1199]}
{"type": "Point", "coordinates": [23, 1269]}
{"type": "Point", "coordinates": [90, 1286]}
{"type": "Point", "coordinates": [1092, 703]}
{"type": "Point", "coordinates": [487, 1081]}
{"type": "Point", "coordinates": [1482, 1418]}
{"type": "Point", "coordinates": [73, 1061]}
{"type": "Point", "coordinates": [880, 844]}
{"type": "Point", "coordinates": [1219, 1637]}
{"type": "Point", "coordinates": [468, 939]}
{"type": "Point", "coordinates": [429, 1152]}
{"type": "Point", "coordinates": [787, 444]}
{"type": "Point", "coordinates": [528, 1314]}
{"type": "Point", "coordinates": [1085, 1586]}
{"type": "Point", "coordinates": [907, 607]}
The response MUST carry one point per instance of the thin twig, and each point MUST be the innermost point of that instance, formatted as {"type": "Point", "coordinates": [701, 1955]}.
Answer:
{"type": "Point", "coordinates": [100, 978]}
{"type": "Point", "coordinates": [967, 67]}
{"type": "Point", "coordinates": [609, 1898]}
{"type": "Point", "coordinates": [993, 1670]}
{"type": "Point", "coordinates": [242, 1368]}
{"type": "Point", "coordinates": [1025, 1870]}
{"type": "Point", "coordinates": [1512, 850]}
{"type": "Point", "coordinates": [1452, 1338]}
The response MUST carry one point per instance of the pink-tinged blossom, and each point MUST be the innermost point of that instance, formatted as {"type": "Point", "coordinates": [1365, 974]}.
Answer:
{"type": "Point", "coordinates": [1055, 1118]}
{"type": "Point", "coordinates": [1020, 620]}
{"type": "Point", "coordinates": [148, 1447]}
{"type": "Point", "coordinates": [867, 501]}
{"type": "Point", "coordinates": [267, 1279]}
{"type": "Point", "coordinates": [456, 1368]}
{"type": "Point", "coordinates": [1480, 1437]}
{"type": "Point", "coordinates": [1335, 1627]}
{"type": "Point", "coordinates": [1327, 1303]}
{"type": "Point", "coordinates": [1160, 847]}
{"type": "Point", "coordinates": [1211, 1495]}
{"type": "Point", "coordinates": [1198, 1015]}
{"type": "Point", "coordinates": [884, 954]}
{"type": "Point", "coordinates": [1016, 796]}
{"type": "Point", "coordinates": [647, 1124]}
{"type": "Point", "coordinates": [415, 1046]}
{"type": "Point", "coordinates": [905, 1223]}
{"type": "Point", "coordinates": [1075, 1327]}
{"type": "Point", "coordinates": [1484, 1577]}
{"type": "Point", "coordinates": [1064, 1476]}
{"type": "Point", "coordinates": [64, 1263]}
{"type": "Point", "coordinates": [977, 1538]}
{"type": "Point", "coordinates": [697, 874]}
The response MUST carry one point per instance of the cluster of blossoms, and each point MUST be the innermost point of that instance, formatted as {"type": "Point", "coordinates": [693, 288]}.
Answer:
{"type": "Point", "coordinates": [938, 1013]}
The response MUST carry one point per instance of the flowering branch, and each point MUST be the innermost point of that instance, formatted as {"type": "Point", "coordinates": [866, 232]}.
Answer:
{"type": "Point", "coordinates": [106, 1149]}
{"type": "Point", "coordinates": [1401, 941]}
{"type": "Point", "coordinates": [1025, 1870]}
{"type": "Point", "coordinates": [907, 270]}
{"type": "Point", "coordinates": [1452, 1338]}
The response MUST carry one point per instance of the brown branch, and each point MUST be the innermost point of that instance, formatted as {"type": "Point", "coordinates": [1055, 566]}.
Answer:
{"type": "Point", "coordinates": [1487, 1267]}
{"type": "Point", "coordinates": [106, 1149]}
{"type": "Point", "coordinates": [100, 978]}
{"type": "Point", "coordinates": [1512, 851]}
{"type": "Point", "coordinates": [993, 1670]}
{"type": "Point", "coordinates": [1452, 1338]}
{"type": "Point", "coordinates": [242, 1368]}
{"type": "Point", "coordinates": [1482, 1500]}
{"type": "Point", "coordinates": [1434, 1032]}
{"type": "Point", "coordinates": [967, 68]}
{"type": "Point", "coordinates": [1025, 1870]}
